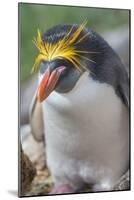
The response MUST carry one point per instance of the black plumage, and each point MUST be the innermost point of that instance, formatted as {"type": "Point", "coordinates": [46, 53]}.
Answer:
{"type": "Point", "coordinates": [106, 67]}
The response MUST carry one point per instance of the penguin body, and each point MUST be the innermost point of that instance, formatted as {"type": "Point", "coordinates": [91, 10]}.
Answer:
{"type": "Point", "coordinates": [86, 133]}
{"type": "Point", "coordinates": [86, 115]}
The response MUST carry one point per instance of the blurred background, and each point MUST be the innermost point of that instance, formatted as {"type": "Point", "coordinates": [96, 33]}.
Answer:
{"type": "Point", "coordinates": [34, 16]}
{"type": "Point", "coordinates": [111, 24]}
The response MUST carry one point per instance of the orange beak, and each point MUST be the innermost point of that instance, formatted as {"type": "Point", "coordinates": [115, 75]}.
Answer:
{"type": "Point", "coordinates": [48, 83]}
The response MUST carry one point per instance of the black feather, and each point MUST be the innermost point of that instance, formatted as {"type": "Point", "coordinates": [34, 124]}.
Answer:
{"type": "Point", "coordinates": [107, 67]}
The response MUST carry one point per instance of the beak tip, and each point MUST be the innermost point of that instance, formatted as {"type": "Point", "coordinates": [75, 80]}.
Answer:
{"type": "Point", "coordinates": [48, 83]}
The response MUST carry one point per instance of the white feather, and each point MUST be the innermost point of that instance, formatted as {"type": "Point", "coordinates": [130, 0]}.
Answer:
{"type": "Point", "coordinates": [87, 135]}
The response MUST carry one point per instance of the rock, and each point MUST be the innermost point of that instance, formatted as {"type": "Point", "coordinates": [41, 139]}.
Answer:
{"type": "Point", "coordinates": [42, 182]}
{"type": "Point", "coordinates": [27, 173]}
{"type": "Point", "coordinates": [36, 154]}
{"type": "Point", "coordinates": [41, 185]}
{"type": "Point", "coordinates": [119, 41]}
{"type": "Point", "coordinates": [27, 90]}
{"type": "Point", "coordinates": [123, 183]}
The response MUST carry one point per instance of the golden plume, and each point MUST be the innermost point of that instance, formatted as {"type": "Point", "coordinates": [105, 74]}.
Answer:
{"type": "Point", "coordinates": [64, 49]}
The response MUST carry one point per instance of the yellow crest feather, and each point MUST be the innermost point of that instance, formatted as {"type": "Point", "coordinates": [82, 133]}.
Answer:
{"type": "Point", "coordinates": [63, 49]}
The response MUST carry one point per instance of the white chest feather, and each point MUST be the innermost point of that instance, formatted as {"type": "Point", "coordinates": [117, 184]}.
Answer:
{"type": "Point", "coordinates": [86, 133]}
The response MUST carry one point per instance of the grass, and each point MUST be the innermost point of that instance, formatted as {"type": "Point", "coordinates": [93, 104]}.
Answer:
{"type": "Point", "coordinates": [34, 16]}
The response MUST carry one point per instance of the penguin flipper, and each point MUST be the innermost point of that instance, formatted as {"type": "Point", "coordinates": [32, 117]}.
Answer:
{"type": "Point", "coordinates": [36, 119]}
{"type": "Point", "coordinates": [123, 87]}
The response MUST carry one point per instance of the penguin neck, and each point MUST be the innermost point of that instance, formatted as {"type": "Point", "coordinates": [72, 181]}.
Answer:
{"type": "Point", "coordinates": [81, 110]}
{"type": "Point", "coordinates": [73, 94]}
{"type": "Point", "coordinates": [87, 92]}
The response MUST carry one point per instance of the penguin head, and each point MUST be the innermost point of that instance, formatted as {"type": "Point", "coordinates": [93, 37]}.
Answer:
{"type": "Point", "coordinates": [63, 57]}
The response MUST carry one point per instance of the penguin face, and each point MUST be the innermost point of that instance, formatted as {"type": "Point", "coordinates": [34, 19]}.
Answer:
{"type": "Point", "coordinates": [66, 51]}
{"type": "Point", "coordinates": [58, 75]}
{"type": "Point", "coordinates": [61, 58]}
